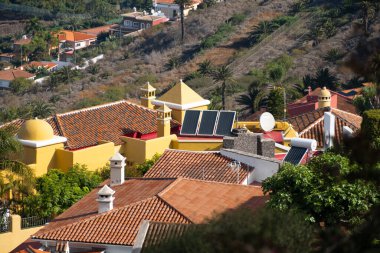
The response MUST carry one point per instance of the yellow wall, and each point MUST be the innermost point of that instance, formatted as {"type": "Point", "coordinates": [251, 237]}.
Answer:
{"type": "Point", "coordinates": [43, 158]}
{"type": "Point", "coordinates": [10, 240]}
{"type": "Point", "coordinates": [94, 157]}
{"type": "Point", "coordinates": [137, 151]}
{"type": "Point", "coordinates": [197, 146]}
{"type": "Point", "coordinates": [254, 126]}
{"type": "Point", "coordinates": [178, 115]}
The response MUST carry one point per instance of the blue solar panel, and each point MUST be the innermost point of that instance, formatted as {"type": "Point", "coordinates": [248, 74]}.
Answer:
{"type": "Point", "coordinates": [225, 123]}
{"type": "Point", "coordinates": [190, 122]}
{"type": "Point", "coordinates": [208, 121]}
{"type": "Point", "coordinates": [295, 155]}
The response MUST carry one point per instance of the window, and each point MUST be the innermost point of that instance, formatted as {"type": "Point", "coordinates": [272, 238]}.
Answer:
{"type": "Point", "coordinates": [77, 44]}
{"type": "Point", "coordinates": [142, 26]}
{"type": "Point", "coordinates": [136, 24]}
{"type": "Point", "coordinates": [128, 23]}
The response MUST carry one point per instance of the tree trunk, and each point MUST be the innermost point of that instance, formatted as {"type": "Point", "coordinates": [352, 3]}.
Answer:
{"type": "Point", "coordinates": [182, 9]}
{"type": "Point", "coordinates": [224, 95]}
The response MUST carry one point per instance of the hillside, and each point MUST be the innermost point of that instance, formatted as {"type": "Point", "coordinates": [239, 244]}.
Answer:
{"type": "Point", "coordinates": [159, 56]}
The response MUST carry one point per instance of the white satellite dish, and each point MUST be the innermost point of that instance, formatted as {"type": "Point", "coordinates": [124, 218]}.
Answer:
{"type": "Point", "coordinates": [267, 122]}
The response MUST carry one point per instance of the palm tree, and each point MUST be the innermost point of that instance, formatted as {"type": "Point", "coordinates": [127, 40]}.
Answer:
{"type": "Point", "coordinates": [223, 74]}
{"type": "Point", "coordinates": [255, 98]}
{"type": "Point", "coordinates": [33, 26]}
{"type": "Point", "coordinates": [182, 5]}
{"type": "Point", "coordinates": [368, 10]}
{"type": "Point", "coordinates": [205, 68]}
{"type": "Point", "coordinates": [262, 30]}
{"type": "Point", "coordinates": [40, 109]}
{"type": "Point", "coordinates": [324, 77]}
{"type": "Point", "coordinates": [15, 176]}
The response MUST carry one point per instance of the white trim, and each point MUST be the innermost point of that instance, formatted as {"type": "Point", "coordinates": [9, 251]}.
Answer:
{"type": "Point", "coordinates": [148, 98]}
{"type": "Point", "coordinates": [200, 141]}
{"type": "Point", "coordinates": [181, 107]}
{"type": "Point", "coordinates": [38, 144]}
{"type": "Point", "coordinates": [280, 146]}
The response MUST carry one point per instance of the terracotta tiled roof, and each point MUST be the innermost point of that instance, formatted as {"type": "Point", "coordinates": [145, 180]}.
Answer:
{"type": "Point", "coordinates": [118, 226]}
{"type": "Point", "coordinates": [211, 166]}
{"type": "Point", "coordinates": [130, 192]}
{"type": "Point", "coordinates": [11, 74]}
{"type": "Point", "coordinates": [75, 36]}
{"type": "Point", "coordinates": [310, 124]}
{"type": "Point", "coordinates": [199, 200]}
{"type": "Point", "coordinates": [47, 65]}
{"type": "Point", "coordinates": [22, 41]}
{"type": "Point", "coordinates": [343, 102]}
{"type": "Point", "coordinates": [97, 30]}
{"type": "Point", "coordinates": [86, 127]}
{"type": "Point", "coordinates": [183, 201]}
{"type": "Point", "coordinates": [160, 232]}
{"type": "Point", "coordinates": [173, 2]}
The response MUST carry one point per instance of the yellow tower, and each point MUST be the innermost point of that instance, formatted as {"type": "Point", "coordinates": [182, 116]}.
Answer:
{"type": "Point", "coordinates": [148, 94]}
{"type": "Point", "coordinates": [181, 98]}
{"type": "Point", "coordinates": [164, 115]}
{"type": "Point", "coordinates": [40, 144]}
{"type": "Point", "coordinates": [324, 98]}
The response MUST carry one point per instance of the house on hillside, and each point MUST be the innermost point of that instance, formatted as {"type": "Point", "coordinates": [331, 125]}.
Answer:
{"type": "Point", "coordinates": [19, 45]}
{"type": "Point", "coordinates": [49, 66]}
{"type": "Point", "coordinates": [95, 31]}
{"type": "Point", "coordinates": [111, 217]}
{"type": "Point", "coordinates": [70, 41]}
{"type": "Point", "coordinates": [321, 97]}
{"type": "Point", "coordinates": [172, 10]}
{"type": "Point", "coordinates": [7, 76]}
{"type": "Point", "coordinates": [7, 57]}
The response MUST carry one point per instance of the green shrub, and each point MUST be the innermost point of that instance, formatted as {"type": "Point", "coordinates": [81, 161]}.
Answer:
{"type": "Point", "coordinates": [237, 18]}
{"type": "Point", "coordinates": [221, 34]}
{"type": "Point", "coordinates": [20, 85]}
{"type": "Point", "coordinates": [333, 55]}
{"type": "Point", "coordinates": [371, 124]}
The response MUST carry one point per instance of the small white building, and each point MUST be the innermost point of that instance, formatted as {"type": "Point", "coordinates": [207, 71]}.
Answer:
{"type": "Point", "coordinates": [7, 76]}
{"type": "Point", "coordinates": [172, 10]}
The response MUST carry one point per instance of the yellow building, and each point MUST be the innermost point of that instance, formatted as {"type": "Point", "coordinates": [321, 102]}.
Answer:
{"type": "Point", "coordinates": [181, 98]}
{"type": "Point", "coordinates": [92, 135]}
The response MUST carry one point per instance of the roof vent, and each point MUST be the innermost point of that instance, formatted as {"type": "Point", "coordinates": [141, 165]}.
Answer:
{"type": "Point", "coordinates": [105, 199]}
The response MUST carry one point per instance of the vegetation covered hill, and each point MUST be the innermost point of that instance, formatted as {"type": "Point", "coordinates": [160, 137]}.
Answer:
{"type": "Point", "coordinates": [269, 43]}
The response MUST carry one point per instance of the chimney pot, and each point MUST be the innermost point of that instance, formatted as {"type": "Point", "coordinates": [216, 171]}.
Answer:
{"type": "Point", "coordinates": [117, 167]}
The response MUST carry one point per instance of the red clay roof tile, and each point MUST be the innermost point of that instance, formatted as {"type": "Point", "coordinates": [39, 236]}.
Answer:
{"type": "Point", "coordinates": [211, 166]}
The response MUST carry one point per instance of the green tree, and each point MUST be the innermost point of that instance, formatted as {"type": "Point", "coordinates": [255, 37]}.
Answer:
{"type": "Point", "coordinates": [182, 5]}
{"type": "Point", "coordinates": [243, 230]}
{"type": "Point", "coordinates": [262, 30]}
{"type": "Point", "coordinates": [368, 13]}
{"type": "Point", "coordinates": [324, 77]}
{"type": "Point", "coordinates": [275, 102]}
{"type": "Point", "coordinates": [223, 75]}
{"type": "Point", "coordinates": [33, 26]}
{"type": "Point", "coordinates": [20, 85]}
{"type": "Point", "coordinates": [40, 109]}
{"type": "Point", "coordinates": [323, 190]}
{"type": "Point", "coordinates": [369, 99]}
{"type": "Point", "coordinates": [205, 68]}
{"type": "Point", "coordinates": [255, 98]}
{"type": "Point", "coordinates": [57, 190]}
{"type": "Point", "coordinates": [147, 164]}
{"type": "Point", "coordinates": [16, 178]}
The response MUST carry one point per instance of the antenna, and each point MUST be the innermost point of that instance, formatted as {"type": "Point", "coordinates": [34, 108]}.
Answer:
{"type": "Point", "coordinates": [267, 122]}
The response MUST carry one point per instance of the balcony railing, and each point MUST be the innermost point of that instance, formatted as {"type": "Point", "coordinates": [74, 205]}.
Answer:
{"type": "Point", "coordinates": [33, 221]}
{"type": "Point", "coordinates": [5, 225]}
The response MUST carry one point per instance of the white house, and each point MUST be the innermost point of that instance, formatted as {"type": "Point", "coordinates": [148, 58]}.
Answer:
{"type": "Point", "coordinates": [7, 76]}
{"type": "Point", "coordinates": [171, 9]}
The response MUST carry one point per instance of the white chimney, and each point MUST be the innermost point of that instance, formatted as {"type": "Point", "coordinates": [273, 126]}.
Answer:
{"type": "Point", "coordinates": [117, 164]}
{"type": "Point", "coordinates": [105, 199]}
{"type": "Point", "coordinates": [134, 9]}
{"type": "Point", "coordinates": [329, 130]}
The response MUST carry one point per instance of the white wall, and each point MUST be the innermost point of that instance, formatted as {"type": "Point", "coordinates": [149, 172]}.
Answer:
{"type": "Point", "coordinates": [263, 167]}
